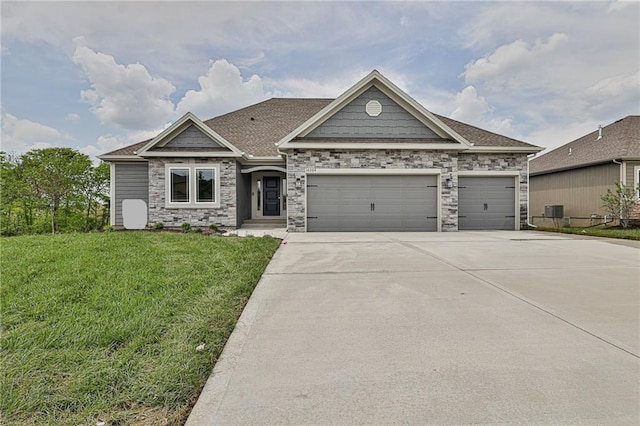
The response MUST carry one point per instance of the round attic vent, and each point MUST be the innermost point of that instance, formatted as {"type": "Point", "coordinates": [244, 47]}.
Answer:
{"type": "Point", "coordinates": [373, 108]}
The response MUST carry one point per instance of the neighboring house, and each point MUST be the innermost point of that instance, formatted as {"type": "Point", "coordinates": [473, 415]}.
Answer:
{"type": "Point", "coordinates": [577, 174]}
{"type": "Point", "coordinates": [373, 159]}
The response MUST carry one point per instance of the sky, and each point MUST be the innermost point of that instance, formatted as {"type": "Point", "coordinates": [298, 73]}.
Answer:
{"type": "Point", "coordinates": [97, 76]}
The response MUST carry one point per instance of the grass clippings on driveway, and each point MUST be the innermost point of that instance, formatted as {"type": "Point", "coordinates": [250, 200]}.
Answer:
{"type": "Point", "coordinates": [625, 234]}
{"type": "Point", "coordinates": [104, 327]}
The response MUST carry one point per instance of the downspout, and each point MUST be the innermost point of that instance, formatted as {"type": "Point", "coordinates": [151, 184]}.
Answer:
{"type": "Point", "coordinates": [529, 224]}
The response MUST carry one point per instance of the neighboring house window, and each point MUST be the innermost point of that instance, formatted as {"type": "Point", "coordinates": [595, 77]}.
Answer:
{"type": "Point", "coordinates": [192, 186]}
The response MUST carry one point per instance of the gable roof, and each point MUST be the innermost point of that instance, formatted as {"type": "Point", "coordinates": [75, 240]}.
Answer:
{"type": "Point", "coordinates": [178, 127]}
{"type": "Point", "coordinates": [255, 130]}
{"type": "Point", "coordinates": [620, 140]}
{"type": "Point", "coordinates": [374, 78]}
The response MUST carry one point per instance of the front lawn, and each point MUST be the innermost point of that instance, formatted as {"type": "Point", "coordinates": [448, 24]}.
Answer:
{"type": "Point", "coordinates": [104, 327]}
{"type": "Point", "coordinates": [626, 234]}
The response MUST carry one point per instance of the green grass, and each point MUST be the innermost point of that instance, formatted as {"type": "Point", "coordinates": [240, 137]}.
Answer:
{"type": "Point", "coordinates": [105, 326]}
{"type": "Point", "coordinates": [626, 234]}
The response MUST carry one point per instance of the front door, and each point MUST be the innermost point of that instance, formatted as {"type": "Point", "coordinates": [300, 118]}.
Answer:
{"type": "Point", "coordinates": [271, 198]}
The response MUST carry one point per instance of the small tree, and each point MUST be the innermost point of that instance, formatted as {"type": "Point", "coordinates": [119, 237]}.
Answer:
{"type": "Point", "coordinates": [53, 175]}
{"type": "Point", "coordinates": [621, 202]}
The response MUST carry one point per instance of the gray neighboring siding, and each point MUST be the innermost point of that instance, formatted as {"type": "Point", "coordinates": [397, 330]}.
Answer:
{"type": "Point", "coordinates": [578, 190]}
{"type": "Point", "coordinates": [243, 194]}
{"type": "Point", "coordinates": [192, 137]}
{"type": "Point", "coordinates": [131, 182]}
{"type": "Point", "coordinates": [352, 121]}
{"type": "Point", "coordinates": [630, 178]}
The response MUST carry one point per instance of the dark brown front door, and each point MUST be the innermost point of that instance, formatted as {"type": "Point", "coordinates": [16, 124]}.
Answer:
{"type": "Point", "coordinates": [271, 196]}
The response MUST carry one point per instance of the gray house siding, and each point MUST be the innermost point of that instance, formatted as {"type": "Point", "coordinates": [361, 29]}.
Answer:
{"type": "Point", "coordinates": [352, 121]}
{"type": "Point", "coordinates": [578, 190]}
{"type": "Point", "coordinates": [131, 182]}
{"type": "Point", "coordinates": [192, 137]}
{"type": "Point", "coordinates": [243, 195]}
{"type": "Point", "coordinates": [225, 215]}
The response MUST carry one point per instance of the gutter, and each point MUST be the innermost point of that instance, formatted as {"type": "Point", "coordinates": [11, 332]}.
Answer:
{"type": "Point", "coordinates": [529, 224]}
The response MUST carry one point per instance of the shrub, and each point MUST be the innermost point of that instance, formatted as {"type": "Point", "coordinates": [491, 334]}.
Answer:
{"type": "Point", "coordinates": [620, 203]}
{"type": "Point", "coordinates": [213, 226]}
{"type": "Point", "coordinates": [186, 227]}
{"type": "Point", "coordinates": [158, 225]}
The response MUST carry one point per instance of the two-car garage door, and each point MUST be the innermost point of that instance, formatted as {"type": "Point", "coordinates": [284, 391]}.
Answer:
{"type": "Point", "coordinates": [372, 203]}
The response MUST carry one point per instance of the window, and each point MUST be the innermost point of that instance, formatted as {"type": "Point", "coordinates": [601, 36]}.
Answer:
{"type": "Point", "coordinates": [192, 186]}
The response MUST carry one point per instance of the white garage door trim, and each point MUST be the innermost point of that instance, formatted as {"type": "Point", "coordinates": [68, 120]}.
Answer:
{"type": "Point", "coordinates": [377, 172]}
{"type": "Point", "coordinates": [500, 173]}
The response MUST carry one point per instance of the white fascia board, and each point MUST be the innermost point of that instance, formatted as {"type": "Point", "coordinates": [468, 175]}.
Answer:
{"type": "Point", "coordinates": [117, 158]}
{"type": "Point", "coordinates": [499, 149]}
{"type": "Point", "coordinates": [489, 173]}
{"type": "Point", "coordinates": [190, 154]}
{"type": "Point", "coordinates": [369, 146]}
{"type": "Point", "coordinates": [158, 140]}
{"type": "Point", "coordinates": [367, 172]}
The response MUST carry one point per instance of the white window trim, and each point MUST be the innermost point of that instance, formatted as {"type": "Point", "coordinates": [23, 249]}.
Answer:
{"type": "Point", "coordinates": [192, 203]}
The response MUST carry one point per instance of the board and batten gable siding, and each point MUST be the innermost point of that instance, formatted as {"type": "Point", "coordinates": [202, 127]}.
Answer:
{"type": "Point", "coordinates": [352, 121]}
{"type": "Point", "coordinates": [192, 137]}
{"type": "Point", "coordinates": [578, 190]}
{"type": "Point", "coordinates": [131, 183]}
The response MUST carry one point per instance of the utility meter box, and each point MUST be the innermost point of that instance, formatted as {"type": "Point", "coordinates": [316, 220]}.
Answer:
{"type": "Point", "coordinates": [555, 211]}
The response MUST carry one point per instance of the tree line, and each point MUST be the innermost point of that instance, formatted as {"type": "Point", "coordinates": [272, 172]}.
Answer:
{"type": "Point", "coordinates": [52, 190]}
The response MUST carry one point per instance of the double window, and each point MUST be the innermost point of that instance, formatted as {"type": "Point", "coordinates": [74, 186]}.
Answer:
{"type": "Point", "coordinates": [192, 185]}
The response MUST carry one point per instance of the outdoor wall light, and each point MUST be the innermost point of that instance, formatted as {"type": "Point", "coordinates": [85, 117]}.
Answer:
{"type": "Point", "coordinates": [449, 183]}
{"type": "Point", "coordinates": [298, 183]}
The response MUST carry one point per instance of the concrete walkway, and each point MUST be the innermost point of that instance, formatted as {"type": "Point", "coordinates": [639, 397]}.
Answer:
{"type": "Point", "coordinates": [435, 328]}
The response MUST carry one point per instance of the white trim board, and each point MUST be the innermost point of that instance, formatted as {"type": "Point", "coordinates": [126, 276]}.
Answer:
{"type": "Point", "coordinates": [374, 172]}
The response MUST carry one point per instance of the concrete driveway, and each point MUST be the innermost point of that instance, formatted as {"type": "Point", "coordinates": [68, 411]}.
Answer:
{"type": "Point", "coordinates": [437, 328]}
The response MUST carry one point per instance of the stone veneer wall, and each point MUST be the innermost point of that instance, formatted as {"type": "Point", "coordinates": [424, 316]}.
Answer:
{"type": "Point", "coordinates": [449, 163]}
{"type": "Point", "coordinates": [299, 160]}
{"type": "Point", "coordinates": [501, 162]}
{"type": "Point", "coordinates": [225, 215]}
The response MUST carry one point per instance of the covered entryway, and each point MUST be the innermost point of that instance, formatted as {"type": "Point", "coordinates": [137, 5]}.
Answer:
{"type": "Point", "coordinates": [372, 203]}
{"type": "Point", "coordinates": [486, 202]}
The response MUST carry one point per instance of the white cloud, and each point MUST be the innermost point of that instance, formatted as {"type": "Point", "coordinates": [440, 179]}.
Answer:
{"type": "Point", "coordinates": [22, 135]}
{"type": "Point", "coordinates": [72, 116]}
{"type": "Point", "coordinates": [104, 144]}
{"type": "Point", "coordinates": [124, 95]}
{"type": "Point", "coordinates": [470, 107]}
{"type": "Point", "coordinates": [222, 89]}
{"type": "Point", "coordinates": [510, 58]}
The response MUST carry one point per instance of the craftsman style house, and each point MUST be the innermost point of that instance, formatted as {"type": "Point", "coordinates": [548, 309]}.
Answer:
{"type": "Point", "coordinates": [372, 159]}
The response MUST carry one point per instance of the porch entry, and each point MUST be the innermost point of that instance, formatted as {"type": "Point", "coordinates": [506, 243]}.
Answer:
{"type": "Point", "coordinates": [271, 196]}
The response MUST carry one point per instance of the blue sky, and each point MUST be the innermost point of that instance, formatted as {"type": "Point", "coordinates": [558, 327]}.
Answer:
{"type": "Point", "coordinates": [97, 76]}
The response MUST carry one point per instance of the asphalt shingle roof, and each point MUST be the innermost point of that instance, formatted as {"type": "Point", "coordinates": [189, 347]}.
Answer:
{"type": "Point", "coordinates": [619, 140]}
{"type": "Point", "coordinates": [257, 128]}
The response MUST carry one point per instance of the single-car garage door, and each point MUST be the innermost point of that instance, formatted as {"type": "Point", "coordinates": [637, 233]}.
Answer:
{"type": "Point", "coordinates": [372, 203]}
{"type": "Point", "coordinates": [486, 203]}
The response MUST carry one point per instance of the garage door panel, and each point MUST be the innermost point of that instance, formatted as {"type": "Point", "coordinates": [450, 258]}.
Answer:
{"type": "Point", "coordinates": [372, 203]}
{"type": "Point", "coordinates": [486, 203]}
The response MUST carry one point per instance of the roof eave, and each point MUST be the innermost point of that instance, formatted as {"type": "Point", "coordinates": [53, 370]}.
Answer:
{"type": "Point", "coordinates": [114, 158]}
{"type": "Point", "coordinates": [520, 149]}
{"type": "Point", "coordinates": [369, 146]}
